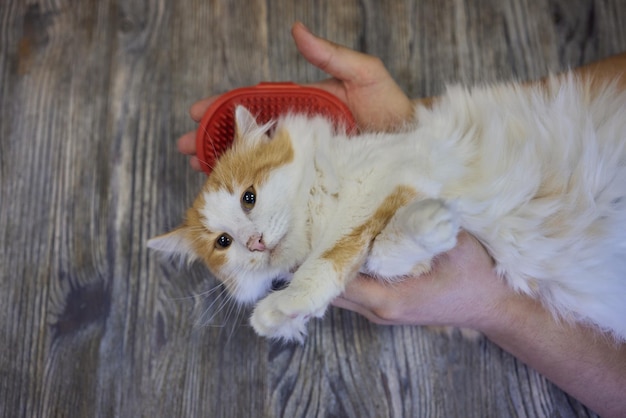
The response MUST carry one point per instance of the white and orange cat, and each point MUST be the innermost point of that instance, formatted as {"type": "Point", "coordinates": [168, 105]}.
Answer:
{"type": "Point", "coordinates": [538, 175]}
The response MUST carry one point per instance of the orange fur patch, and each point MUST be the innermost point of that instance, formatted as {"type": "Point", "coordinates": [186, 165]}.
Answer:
{"type": "Point", "coordinates": [347, 253]}
{"type": "Point", "coordinates": [246, 165]}
{"type": "Point", "coordinates": [201, 239]}
{"type": "Point", "coordinates": [242, 165]}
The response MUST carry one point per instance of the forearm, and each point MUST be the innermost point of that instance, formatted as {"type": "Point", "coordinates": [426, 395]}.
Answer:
{"type": "Point", "coordinates": [589, 366]}
{"type": "Point", "coordinates": [584, 363]}
{"type": "Point", "coordinates": [611, 69]}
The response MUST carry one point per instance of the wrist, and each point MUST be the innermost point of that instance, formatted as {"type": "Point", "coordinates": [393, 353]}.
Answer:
{"type": "Point", "coordinates": [511, 313]}
{"type": "Point", "coordinates": [483, 299]}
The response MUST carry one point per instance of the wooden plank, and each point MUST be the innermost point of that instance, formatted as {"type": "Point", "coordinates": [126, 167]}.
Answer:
{"type": "Point", "coordinates": [93, 95]}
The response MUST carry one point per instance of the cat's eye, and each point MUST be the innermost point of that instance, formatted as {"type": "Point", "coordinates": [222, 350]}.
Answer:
{"type": "Point", "coordinates": [248, 198]}
{"type": "Point", "coordinates": [223, 241]}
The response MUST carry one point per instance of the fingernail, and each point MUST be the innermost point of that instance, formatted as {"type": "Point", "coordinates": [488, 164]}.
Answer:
{"type": "Point", "coordinates": [304, 26]}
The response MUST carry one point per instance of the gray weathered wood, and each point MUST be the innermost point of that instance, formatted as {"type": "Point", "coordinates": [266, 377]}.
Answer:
{"type": "Point", "coordinates": [93, 95]}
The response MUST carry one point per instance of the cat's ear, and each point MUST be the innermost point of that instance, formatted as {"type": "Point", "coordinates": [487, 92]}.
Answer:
{"type": "Point", "coordinates": [175, 243]}
{"type": "Point", "coordinates": [247, 130]}
{"type": "Point", "coordinates": [245, 122]}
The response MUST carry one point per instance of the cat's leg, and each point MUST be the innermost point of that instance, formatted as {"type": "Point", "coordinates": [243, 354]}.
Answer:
{"type": "Point", "coordinates": [341, 252]}
{"type": "Point", "coordinates": [415, 234]}
{"type": "Point", "coordinates": [320, 279]}
{"type": "Point", "coordinates": [284, 314]}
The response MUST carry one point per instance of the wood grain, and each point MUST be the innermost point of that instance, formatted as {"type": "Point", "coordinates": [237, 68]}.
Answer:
{"type": "Point", "coordinates": [93, 95]}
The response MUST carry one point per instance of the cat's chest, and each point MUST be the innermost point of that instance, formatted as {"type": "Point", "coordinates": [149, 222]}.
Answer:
{"type": "Point", "coordinates": [342, 196]}
{"type": "Point", "coordinates": [323, 195]}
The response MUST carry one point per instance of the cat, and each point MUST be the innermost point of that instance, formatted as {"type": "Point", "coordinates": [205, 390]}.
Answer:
{"type": "Point", "coordinates": [536, 174]}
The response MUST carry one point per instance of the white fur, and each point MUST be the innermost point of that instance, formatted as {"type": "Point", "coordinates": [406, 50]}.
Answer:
{"type": "Point", "coordinates": [537, 175]}
{"type": "Point", "coordinates": [417, 232]}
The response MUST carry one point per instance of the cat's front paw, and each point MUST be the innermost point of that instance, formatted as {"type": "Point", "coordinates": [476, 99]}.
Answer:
{"type": "Point", "coordinates": [416, 233]}
{"type": "Point", "coordinates": [284, 315]}
{"type": "Point", "coordinates": [436, 225]}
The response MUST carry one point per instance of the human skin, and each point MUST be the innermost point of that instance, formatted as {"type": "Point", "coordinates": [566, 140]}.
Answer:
{"type": "Point", "coordinates": [462, 289]}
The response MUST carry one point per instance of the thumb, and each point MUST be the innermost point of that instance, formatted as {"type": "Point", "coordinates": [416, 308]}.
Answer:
{"type": "Point", "coordinates": [336, 60]}
{"type": "Point", "coordinates": [367, 297]}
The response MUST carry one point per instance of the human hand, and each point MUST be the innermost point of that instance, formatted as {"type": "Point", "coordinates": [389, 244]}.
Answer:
{"type": "Point", "coordinates": [461, 290]}
{"type": "Point", "coordinates": [359, 80]}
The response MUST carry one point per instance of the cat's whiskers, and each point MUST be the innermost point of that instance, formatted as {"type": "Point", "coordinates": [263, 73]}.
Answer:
{"type": "Point", "coordinates": [205, 293]}
{"type": "Point", "coordinates": [236, 320]}
{"type": "Point", "coordinates": [234, 307]}
{"type": "Point", "coordinates": [228, 287]}
{"type": "Point", "coordinates": [215, 155]}
{"type": "Point", "coordinates": [205, 163]}
{"type": "Point", "coordinates": [222, 299]}
{"type": "Point", "coordinates": [209, 292]}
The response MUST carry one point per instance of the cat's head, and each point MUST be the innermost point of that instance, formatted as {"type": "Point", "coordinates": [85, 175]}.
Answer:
{"type": "Point", "coordinates": [240, 223]}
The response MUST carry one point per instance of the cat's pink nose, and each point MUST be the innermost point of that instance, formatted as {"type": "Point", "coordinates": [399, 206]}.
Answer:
{"type": "Point", "coordinates": [255, 243]}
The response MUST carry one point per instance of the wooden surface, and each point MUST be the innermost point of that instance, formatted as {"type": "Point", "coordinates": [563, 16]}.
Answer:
{"type": "Point", "coordinates": [94, 93]}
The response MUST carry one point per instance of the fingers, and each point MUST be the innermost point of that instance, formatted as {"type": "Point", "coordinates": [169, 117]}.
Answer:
{"type": "Point", "coordinates": [350, 305]}
{"type": "Point", "coordinates": [461, 287]}
{"type": "Point", "coordinates": [198, 108]}
{"type": "Point", "coordinates": [187, 143]}
{"type": "Point", "coordinates": [195, 163]}
{"type": "Point", "coordinates": [369, 297]}
{"type": "Point", "coordinates": [338, 61]}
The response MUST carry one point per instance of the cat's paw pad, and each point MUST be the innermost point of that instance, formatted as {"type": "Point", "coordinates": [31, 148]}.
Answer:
{"type": "Point", "coordinates": [284, 316]}
{"type": "Point", "coordinates": [437, 225]}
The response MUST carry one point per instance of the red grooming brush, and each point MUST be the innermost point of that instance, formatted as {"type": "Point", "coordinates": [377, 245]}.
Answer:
{"type": "Point", "coordinates": [267, 101]}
